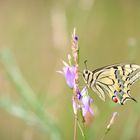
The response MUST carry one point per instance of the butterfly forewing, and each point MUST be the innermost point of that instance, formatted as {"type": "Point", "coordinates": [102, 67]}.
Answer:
{"type": "Point", "coordinates": [114, 80]}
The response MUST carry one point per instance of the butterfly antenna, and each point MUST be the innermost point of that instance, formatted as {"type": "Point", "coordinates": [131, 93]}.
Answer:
{"type": "Point", "coordinates": [85, 62]}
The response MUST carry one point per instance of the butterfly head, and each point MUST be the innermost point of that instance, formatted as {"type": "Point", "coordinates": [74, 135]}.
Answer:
{"type": "Point", "coordinates": [86, 75]}
{"type": "Point", "coordinates": [85, 72]}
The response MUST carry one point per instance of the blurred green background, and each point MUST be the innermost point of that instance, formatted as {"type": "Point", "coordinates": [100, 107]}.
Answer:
{"type": "Point", "coordinates": [38, 35]}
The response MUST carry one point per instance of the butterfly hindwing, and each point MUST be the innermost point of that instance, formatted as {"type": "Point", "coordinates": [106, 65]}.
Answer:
{"type": "Point", "coordinates": [115, 80]}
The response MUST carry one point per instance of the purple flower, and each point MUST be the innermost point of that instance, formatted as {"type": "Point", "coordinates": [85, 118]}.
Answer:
{"type": "Point", "coordinates": [69, 73]}
{"type": "Point", "coordinates": [76, 38]}
{"type": "Point", "coordinates": [75, 105]}
{"type": "Point", "coordinates": [85, 101]}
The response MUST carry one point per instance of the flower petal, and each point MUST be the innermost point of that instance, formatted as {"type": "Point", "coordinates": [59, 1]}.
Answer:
{"type": "Point", "coordinates": [84, 91]}
{"type": "Point", "coordinates": [86, 102]}
{"type": "Point", "coordinates": [60, 72]}
{"type": "Point", "coordinates": [65, 64]}
{"type": "Point", "coordinates": [75, 105]}
{"type": "Point", "coordinates": [69, 73]}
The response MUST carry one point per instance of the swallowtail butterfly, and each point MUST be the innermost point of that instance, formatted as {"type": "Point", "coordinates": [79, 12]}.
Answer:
{"type": "Point", "coordinates": [113, 80]}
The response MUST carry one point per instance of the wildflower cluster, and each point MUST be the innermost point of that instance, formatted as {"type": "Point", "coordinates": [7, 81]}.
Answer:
{"type": "Point", "coordinates": [70, 71]}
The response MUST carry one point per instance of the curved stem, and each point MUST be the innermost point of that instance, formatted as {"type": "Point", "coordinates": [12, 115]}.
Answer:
{"type": "Point", "coordinates": [75, 127]}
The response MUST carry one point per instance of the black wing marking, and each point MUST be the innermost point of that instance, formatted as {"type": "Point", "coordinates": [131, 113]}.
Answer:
{"type": "Point", "coordinates": [115, 80]}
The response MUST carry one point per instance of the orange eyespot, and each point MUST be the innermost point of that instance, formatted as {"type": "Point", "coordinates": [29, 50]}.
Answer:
{"type": "Point", "coordinates": [115, 99]}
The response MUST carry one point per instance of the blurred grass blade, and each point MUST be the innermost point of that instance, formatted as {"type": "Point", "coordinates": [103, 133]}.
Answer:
{"type": "Point", "coordinates": [16, 110]}
{"type": "Point", "coordinates": [19, 112]}
{"type": "Point", "coordinates": [27, 93]}
{"type": "Point", "coordinates": [17, 78]}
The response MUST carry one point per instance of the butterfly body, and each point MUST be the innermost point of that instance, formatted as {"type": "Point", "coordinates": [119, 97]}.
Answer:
{"type": "Point", "coordinates": [113, 80]}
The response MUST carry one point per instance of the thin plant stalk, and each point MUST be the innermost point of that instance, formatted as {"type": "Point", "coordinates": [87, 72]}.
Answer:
{"type": "Point", "coordinates": [75, 53]}
{"type": "Point", "coordinates": [75, 127]}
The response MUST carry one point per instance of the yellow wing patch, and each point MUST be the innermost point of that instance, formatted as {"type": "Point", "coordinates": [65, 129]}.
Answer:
{"type": "Point", "coordinates": [115, 81]}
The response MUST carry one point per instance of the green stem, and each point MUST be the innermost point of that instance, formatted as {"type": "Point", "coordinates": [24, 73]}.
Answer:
{"type": "Point", "coordinates": [83, 123]}
{"type": "Point", "coordinates": [75, 127]}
